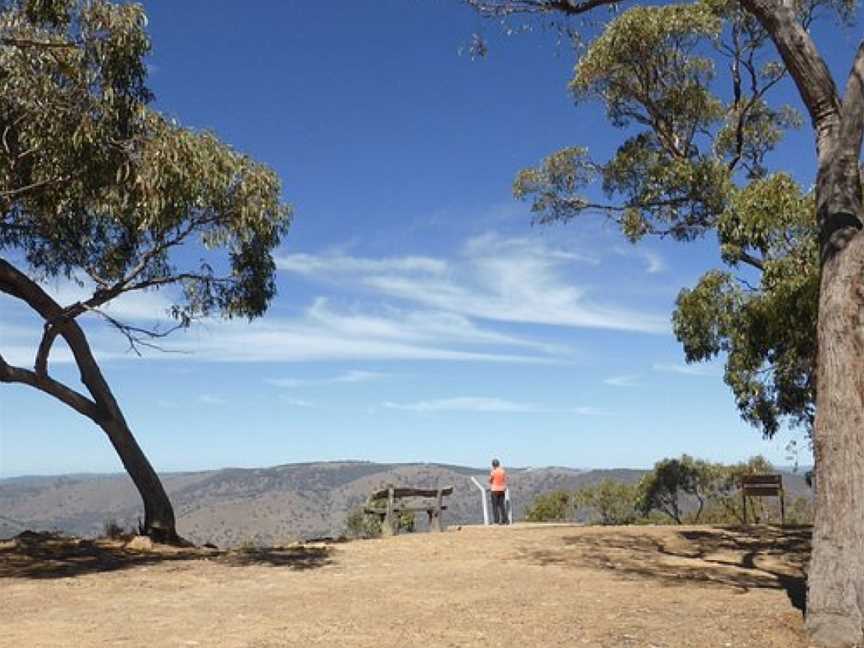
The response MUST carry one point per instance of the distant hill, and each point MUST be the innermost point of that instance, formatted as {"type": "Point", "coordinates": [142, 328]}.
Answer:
{"type": "Point", "coordinates": [271, 505]}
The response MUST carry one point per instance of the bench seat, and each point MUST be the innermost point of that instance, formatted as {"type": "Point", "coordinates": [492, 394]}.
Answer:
{"type": "Point", "coordinates": [389, 502]}
{"type": "Point", "coordinates": [404, 509]}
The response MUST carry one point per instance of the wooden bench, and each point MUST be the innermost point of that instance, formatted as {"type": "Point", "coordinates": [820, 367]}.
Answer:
{"type": "Point", "coordinates": [389, 503]}
{"type": "Point", "coordinates": [763, 486]}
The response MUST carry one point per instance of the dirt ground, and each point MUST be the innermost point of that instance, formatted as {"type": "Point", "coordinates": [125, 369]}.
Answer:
{"type": "Point", "coordinates": [525, 586]}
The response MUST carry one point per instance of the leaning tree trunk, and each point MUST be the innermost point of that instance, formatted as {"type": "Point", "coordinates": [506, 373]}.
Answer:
{"type": "Point", "coordinates": [835, 605]}
{"type": "Point", "coordinates": [158, 513]}
{"type": "Point", "coordinates": [101, 407]}
{"type": "Point", "coordinates": [159, 520]}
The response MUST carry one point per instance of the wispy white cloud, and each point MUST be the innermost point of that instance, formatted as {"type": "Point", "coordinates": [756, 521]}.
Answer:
{"type": "Point", "coordinates": [338, 264]}
{"type": "Point", "coordinates": [654, 262]}
{"type": "Point", "coordinates": [486, 404]}
{"type": "Point", "coordinates": [686, 369]}
{"type": "Point", "coordinates": [23, 355]}
{"type": "Point", "coordinates": [419, 326]}
{"type": "Point", "coordinates": [321, 332]}
{"type": "Point", "coordinates": [622, 381]}
{"type": "Point", "coordinates": [297, 402]}
{"type": "Point", "coordinates": [521, 279]}
{"type": "Point", "coordinates": [403, 308]}
{"type": "Point", "coordinates": [353, 376]}
{"type": "Point", "coordinates": [210, 399]}
{"type": "Point", "coordinates": [280, 340]}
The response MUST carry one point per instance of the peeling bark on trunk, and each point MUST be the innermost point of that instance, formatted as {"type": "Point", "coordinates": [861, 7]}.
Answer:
{"type": "Point", "coordinates": [835, 604]}
{"type": "Point", "coordinates": [835, 609]}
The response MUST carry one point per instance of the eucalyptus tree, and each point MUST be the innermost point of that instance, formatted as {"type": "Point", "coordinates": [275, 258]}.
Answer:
{"type": "Point", "coordinates": [662, 488]}
{"type": "Point", "coordinates": [695, 160]}
{"type": "Point", "coordinates": [98, 187]}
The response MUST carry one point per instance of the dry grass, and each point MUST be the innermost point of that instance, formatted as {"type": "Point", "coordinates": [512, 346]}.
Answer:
{"type": "Point", "coordinates": [531, 586]}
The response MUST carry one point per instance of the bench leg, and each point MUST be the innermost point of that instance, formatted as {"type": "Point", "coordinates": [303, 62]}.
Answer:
{"type": "Point", "coordinates": [435, 514]}
{"type": "Point", "coordinates": [435, 521]}
{"type": "Point", "coordinates": [390, 526]}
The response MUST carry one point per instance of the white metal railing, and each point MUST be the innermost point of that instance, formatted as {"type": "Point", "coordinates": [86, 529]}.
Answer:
{"type": "Point", "coordinates": [484, 500]}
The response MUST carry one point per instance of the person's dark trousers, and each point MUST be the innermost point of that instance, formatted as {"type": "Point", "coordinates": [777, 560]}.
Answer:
{"type": "Point", "coordinates": [499, 511]}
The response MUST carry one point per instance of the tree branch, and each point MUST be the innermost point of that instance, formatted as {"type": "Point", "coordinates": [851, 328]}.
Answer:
{"type": "Point", "coordinates": [79, 402]}
{"type": "Point", "coordinates": [750, 260]}
{"type": "Point", "coordinates": [852, 129]}
{"type": "Point", "coordinates": [137, 336]}
{"type": "Point", "coordinates": [502, 8]}
{"type": "Point", "coordinates": [54, 327]}
{"type": "Point", "coordinates": [15, 283]}
{"type": "Point", "coordinates": [29, 42]}
{"type": "Point", "coordinates": [49, 334]}
{"type": "Point", "coordinates": [805, 65]}
{"type": "Point", "coordinates": [12, 193]}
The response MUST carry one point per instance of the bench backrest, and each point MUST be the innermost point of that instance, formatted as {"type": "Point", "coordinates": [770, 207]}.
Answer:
{"type": "Point", "coordinates": [402, 491]}
{"type": "Point", "coordinates": [762, 485]}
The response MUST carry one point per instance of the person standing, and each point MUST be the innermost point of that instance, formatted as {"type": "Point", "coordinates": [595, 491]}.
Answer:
{"type": "Point", "coordinates": [498, 486]}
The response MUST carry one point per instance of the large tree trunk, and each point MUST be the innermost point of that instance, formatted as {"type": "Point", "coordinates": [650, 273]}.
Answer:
{"type": "Point", "coordinates": [835, 605]}
{"type": "Point", "coordinates": [159, 521]}
{"type": "Point", "coordinates": [102, 407]}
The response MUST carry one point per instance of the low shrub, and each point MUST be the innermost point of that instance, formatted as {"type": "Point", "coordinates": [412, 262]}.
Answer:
{"type": "Point", "coordinates": [360, 525]}
{"type": "Point", "coordinates": [609, 502]}
{"type": "Point", "coordinates": [677, 491]}
{"type": "Point", "coordinates": [112, 529]}
{"type": "Point", "coordinates": [555, 506]}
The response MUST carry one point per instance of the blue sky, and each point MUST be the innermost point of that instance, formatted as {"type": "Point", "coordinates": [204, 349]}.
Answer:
{"type": "Point", "coordinates": [420, 316]}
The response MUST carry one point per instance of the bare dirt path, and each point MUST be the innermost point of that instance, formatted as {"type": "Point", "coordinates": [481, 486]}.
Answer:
{"type": "Point", "coordinates": [526, 586]}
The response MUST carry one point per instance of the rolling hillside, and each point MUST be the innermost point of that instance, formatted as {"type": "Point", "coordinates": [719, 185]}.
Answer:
{"type": "Point", "coordinates": [268, 505]}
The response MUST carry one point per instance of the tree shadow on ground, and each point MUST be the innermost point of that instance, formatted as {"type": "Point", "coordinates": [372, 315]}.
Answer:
{"type": "Point", "coordinates": [736, 557]}
{"type": "Point", "coordinates": [46, 555]}
{"type": "Point", "coordinates": [298, 558]}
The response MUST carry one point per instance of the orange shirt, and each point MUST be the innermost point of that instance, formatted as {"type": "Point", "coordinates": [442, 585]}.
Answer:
{"type": "Point", "coordinates": [498, 479]}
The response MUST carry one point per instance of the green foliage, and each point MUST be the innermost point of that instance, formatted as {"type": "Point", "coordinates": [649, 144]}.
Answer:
{"type": "Point", "coordinates": [620, 68]}
{"type": "Point", "coordinates": [663, 488]}
{"type": "Point", "coordinates": [555, 506]}
{"type": "Point", "coordinates": [697, 163]}
{"type": "Point", "coordinates": [94, 183]}
{"type": "Point", "coordinates": [112, 529]}
{"type": "Point", "coordinates": [725, 504]}
{"type": "Point", "coordinates": [800, 511]}
{"type": "Point", "coordinates": [675, 485]}
{"type": "Point", "coordinates": [609, 502]}
{"type": "Point", "coordinates": [407, 522]}
{"type": "Point", "coordinates": [555, 185]}
{"type": "Point", "coordinates": [677, 491]}
{"type": "Point", "coordinates": [709, 490]}
{"type": "Point", "coordinates": [768, 334]}
{"type": "Point", "coordinates": [362, 525]}
{"type": "Point", "coordinates": [249, 546]}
